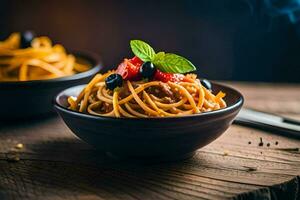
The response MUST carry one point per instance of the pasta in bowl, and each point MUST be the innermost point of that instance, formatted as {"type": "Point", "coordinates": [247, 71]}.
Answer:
{"type": "Point", "coordinates": [146, 98]}
{"type": "Point", "coordinates": [35, 58]}
{"type": "Point", "coordinates": [155, 115]}
{"type": "Point", "coordinates": [137, 88]}
{"type": "Point", "coordinates": [33, 70]}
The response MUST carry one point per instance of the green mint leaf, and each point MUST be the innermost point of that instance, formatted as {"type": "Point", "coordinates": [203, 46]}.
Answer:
{"type": "Point", "coordinates": [158, 61]}
{"type": "Point", "coordinates": [172, 63]}
{"type": "Point", "coordinates": [142, 50]}
{"type": "Point", "coordinates": [158, 58]}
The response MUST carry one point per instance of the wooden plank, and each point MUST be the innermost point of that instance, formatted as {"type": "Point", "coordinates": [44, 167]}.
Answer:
{"type": "Point", "coordinates": [274, 98]}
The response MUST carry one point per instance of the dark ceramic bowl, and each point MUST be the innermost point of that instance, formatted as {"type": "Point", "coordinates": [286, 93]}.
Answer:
{"type": "Point", "coordinates": [157, 138]}
{"type": "Point", "coordinates": [26, 99]}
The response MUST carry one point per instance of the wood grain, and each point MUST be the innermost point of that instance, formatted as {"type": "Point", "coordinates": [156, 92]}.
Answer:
{"type": "Point", "coordinates": [54, 164]}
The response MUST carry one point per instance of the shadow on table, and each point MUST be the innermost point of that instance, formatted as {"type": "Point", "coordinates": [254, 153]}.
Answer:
{"type": "Point", "coordinates": [88, 173]}
{"type": "Point", "coordinates": [6, 123]}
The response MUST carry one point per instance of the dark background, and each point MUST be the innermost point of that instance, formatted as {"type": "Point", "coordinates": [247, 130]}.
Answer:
{"type": "Point", "coordinates": [225, 39]}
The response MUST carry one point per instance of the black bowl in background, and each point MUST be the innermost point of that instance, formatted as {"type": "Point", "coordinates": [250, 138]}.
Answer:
{"type": "Point", "coordinates": [27, 99]}
{"type": "Point", "coordinates": [158, 138]}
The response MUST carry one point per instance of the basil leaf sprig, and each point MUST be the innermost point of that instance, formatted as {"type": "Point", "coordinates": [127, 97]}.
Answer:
{"type": "Point", "coordinates": [142, 50]}
{"type": "Point", "coordinates": [166, 62]}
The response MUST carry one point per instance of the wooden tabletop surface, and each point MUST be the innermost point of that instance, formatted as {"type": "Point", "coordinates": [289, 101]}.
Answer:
{"type": "Point", "coordinates": [42, 159]}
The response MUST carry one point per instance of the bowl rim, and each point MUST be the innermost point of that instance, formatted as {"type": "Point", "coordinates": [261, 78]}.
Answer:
{"type": "Point", "coordinates": [97, 65]}
{"type": "Point", "coordinates": [236, 106]}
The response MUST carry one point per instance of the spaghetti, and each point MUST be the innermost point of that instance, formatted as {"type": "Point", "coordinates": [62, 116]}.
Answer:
{"type": "Point", "coordinates": [146, 98]}
{"type": "Point", "coordinates": [148, 85]}
{"type": "Point", "coordinates": [41, 60]}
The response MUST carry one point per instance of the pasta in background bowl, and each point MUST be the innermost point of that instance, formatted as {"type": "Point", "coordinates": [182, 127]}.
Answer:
{"type": "Point", "coordinates": [31, 75]}
{"type": "Point", "coordinates": [36, 60]}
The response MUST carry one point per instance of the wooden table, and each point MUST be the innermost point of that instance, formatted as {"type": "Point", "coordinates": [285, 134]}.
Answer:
{"type": "Point", "coordinates": [54, 164]}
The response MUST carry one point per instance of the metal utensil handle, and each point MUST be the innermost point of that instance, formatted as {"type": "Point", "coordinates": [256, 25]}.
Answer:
{"type": "Point", "coordinates": [269, 122]}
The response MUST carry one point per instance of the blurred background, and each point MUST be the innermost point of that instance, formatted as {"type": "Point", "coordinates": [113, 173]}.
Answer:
{"type": "Point", "coordinates": [245, 40]}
